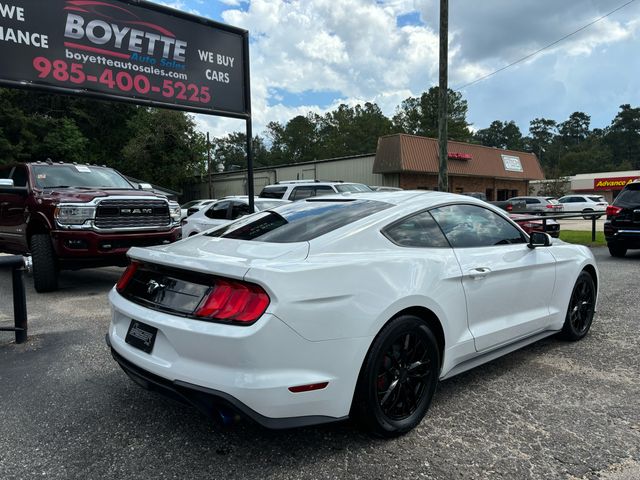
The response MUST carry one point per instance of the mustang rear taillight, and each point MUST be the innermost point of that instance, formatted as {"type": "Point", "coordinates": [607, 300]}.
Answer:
{"type": "Point", "coordinates": [612, 210]}
{"type": "Point", "coordinates": [127, 276]}
{"type": "Point", "coordinates": [234, 301]}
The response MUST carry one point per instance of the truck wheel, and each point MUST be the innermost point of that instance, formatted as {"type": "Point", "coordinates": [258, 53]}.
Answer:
{"type": "Point", "coordinates": [45, 269]}
{"type": "Point", "coordinates": [617, 250]}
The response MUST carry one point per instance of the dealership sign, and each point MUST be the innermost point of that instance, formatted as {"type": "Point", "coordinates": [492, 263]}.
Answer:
{"type": "Point", "coordinates": [125, 50]}
{"type": "Point", "coordinates": [615, 183]}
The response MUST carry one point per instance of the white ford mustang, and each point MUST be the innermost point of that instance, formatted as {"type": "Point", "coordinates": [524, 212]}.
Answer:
{"type": "Point", "coordinates": [344, 305]}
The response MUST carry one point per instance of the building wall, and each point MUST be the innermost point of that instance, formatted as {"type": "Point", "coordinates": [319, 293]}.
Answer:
{"type": "Point", "coordinates": [356, 169]}
{"type": "Point", "coordinates": [489, 186]}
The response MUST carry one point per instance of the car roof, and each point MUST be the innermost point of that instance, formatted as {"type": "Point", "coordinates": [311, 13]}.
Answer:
{"type": "Point", "coordinates": [305, 183]}
{"type": "Point", "coordinates": [424, 198]}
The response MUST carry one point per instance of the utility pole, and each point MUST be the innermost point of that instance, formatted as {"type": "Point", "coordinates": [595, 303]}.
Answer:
{"type": "Point", "coordinates": [209, 165]}
{"type": "Point", "coordinates": [443, 97]}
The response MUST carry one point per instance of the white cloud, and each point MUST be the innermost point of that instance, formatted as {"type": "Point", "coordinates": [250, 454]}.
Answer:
{"type": "Point", "coordinates": [357, 49]}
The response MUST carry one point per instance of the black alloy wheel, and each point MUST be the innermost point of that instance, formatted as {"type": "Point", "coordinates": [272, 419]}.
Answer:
{"type": "Point", "coordinates": [581, 309]}
{"type": "Point", "coordinates": [398, 378]}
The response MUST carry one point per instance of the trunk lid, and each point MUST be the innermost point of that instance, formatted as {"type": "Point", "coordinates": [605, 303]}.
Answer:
{"type": "Point", "coordinates": [220, 256]}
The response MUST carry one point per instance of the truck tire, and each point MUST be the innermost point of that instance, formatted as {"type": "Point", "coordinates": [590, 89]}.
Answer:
{"type": "Point", "coordinates": [45, 269]}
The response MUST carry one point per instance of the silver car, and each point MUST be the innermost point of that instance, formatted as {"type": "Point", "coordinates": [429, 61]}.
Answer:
{"type": "Point", "coordinates": [541, 204]}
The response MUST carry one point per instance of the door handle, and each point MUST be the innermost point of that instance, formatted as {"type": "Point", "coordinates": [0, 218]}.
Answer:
{"type": "Point", "coordinates": [479, 272]}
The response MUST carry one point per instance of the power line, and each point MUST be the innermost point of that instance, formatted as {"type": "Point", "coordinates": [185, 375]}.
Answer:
{"type": "Point", "coordinates": [545, 47]}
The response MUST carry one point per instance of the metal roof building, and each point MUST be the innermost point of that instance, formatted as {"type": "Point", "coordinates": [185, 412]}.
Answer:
{"type": "Point", "coordinates": [405, 161]}
{"type": "Point", "coordinates": [499, 174]}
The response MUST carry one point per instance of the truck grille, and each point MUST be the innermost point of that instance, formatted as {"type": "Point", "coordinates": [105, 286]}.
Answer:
{"type": "Point", "coordinates": [142, 214]}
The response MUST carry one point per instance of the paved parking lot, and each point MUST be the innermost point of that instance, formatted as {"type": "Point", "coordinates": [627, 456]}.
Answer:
{"type": "Point", "coordinates": [551, 410]}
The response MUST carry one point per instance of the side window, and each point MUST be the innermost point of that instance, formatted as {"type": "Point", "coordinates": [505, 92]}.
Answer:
{"type": "Point", "coordinates": [324, 190]}
{"type": "Point", "coordinates": [302, 192]}
{"type": "Point", "coordinates": [419, 230]}
{"type": "Point", "coordinates": [19, 176]}
{"type": "Point", "coordinates": [473, 226]}
{"type": "Point", "coordinates": [273, 192]}
{"type": "Point", "coordinates": [578, 199]}
{"type": "Point", "coordinates": [532, 200]}
{"type": "Point", "coordinates": [238, 209]}
{"type": "Point", "coordinates": [218, 211]}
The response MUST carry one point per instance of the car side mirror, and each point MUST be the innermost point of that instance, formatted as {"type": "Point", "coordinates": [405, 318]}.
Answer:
{"type": "Point", "coordinates": [539, 239]}
{"type": "Point", "coordinates": [6, 182]}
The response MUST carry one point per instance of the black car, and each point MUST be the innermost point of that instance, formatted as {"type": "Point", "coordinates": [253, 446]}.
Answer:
{"type": "Point", "coordinates": [622, 227]}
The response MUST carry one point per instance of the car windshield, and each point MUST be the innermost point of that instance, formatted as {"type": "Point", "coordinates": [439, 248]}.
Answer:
{"type": "Point", "coordinates": [353, 187]}
{"type": "Point", "coordinates": [67, 176]}
{"type": "Point", "coordinates": [553, 201]}
{"type": "Point", "coordinates": [191, 203]}
{"type": "Point", "coordinates": [299, 221]}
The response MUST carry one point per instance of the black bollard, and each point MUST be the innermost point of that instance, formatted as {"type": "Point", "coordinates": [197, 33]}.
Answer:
{"type": "Point", "coordinates": [16, 263]}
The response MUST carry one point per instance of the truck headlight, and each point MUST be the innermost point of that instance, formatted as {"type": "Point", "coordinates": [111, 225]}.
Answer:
{"type": "Point", "coordinates": [175, 212]}
{"type": "Point", "coordinates": [74, 214]}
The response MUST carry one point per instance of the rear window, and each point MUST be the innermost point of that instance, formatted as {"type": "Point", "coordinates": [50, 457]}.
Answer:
{"type": "Point", "coordinates": [553, 201]}
{"type": "Point", "coordinates": [597, 199]}
{"type": "Point", "coordinates": [273, 192]}
{"type": "Point", "coordinates": [629, 197]}
{"type": "Point", "coordinates": [299, 222]}
{"type": "Point", "coordinates": [266, 204]}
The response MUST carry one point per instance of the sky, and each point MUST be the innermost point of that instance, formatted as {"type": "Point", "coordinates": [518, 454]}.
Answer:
{"type": "Point", "coordinates": [313, 55]}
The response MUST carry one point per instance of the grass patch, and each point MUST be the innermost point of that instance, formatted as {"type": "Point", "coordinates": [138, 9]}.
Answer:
{"type": "Point", "coordinates": [583, 238]}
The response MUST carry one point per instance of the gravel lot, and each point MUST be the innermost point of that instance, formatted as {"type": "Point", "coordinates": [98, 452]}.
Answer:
{"type": "Point", "coordinates": [551, 410]}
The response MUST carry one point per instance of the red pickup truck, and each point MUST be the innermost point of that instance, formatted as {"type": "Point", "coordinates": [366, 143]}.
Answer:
{"type": "Point", "coordinates": [70, 216]}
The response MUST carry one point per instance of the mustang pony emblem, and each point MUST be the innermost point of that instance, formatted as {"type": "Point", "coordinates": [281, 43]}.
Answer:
{"type": "Point", "coordinates": [153, 286]}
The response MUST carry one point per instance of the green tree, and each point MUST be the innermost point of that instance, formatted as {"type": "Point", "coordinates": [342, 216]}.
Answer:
{"type": "Point", "coordinates": [576, 129]}
{"type": "Point", "coordinates": [419, 115]}
{"type": "Point", "coordinates": [297, 141]}
{"type": "Point", "coordinates": [62, 141]}
{"type": "Point", "coordinates": [501, 135]}
{"type": "Point", "coordinates": [623, 137]}
{"type": "Point", "coordinates": [231, 151]}
{"type": "Point", "coordinates": [352, 130]}
{"type": "Point", "coordinates": [542, 132]}
{"type": "Point", "coordinates": [163, 148]}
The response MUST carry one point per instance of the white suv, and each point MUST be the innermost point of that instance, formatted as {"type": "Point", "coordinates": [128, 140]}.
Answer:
{"type": "Point", "coordinates": [586, 204]}
{"type": "Point", "coordinates": [300, 189]}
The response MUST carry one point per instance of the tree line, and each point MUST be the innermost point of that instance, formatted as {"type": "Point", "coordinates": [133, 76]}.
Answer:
{"type": "Point", "coordinates": [164, 147]}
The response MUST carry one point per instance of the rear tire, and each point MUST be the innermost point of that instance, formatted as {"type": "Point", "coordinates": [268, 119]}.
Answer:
{"type": "Point", "coordinates": [616, 250]}
{"type": "Point", "coordinates": [581, 309]}
{"type": "Point", "coordinates": [586, 214]}
{"type": "Point", "coordinates": [398, 378]}
{"type": "Point", "coordinates": [45, 268]}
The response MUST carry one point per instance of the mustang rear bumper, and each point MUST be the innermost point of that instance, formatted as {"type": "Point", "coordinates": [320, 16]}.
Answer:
{"type": "Point", "coordinates": [249, 368]}
{"type": "Point", "coordinates": [207, 400]}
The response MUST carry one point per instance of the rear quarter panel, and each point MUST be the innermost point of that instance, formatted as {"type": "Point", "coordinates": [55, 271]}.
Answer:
{"type": "Point", "coordinates": [571, 260]}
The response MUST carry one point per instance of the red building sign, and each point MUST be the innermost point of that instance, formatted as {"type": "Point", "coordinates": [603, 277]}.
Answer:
{"type": "Point", "coordinates": [613, 183]}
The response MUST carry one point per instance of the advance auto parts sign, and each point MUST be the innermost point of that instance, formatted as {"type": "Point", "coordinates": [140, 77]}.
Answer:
{"type": "Point", "coordinates": [613, 183]}
{"type": "Point", "coordinates": [147, 54]}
